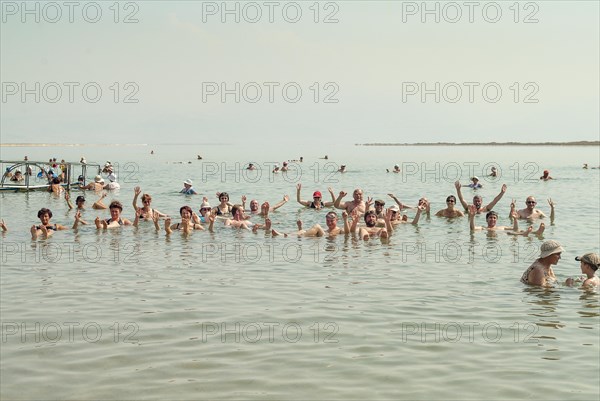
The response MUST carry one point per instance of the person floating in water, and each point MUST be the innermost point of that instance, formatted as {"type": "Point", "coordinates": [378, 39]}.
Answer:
{"type": "Point", "coordinates": [546, 176]}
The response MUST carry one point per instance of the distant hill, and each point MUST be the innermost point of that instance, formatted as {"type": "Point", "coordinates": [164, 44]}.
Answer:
{"type": "Point", "coordinates": [574, 143]}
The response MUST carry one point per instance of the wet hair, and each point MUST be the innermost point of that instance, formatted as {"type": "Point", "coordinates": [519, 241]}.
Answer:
{"type": "Point", "coordinates": [146, 196]}
{"type": "Point", "coordinates": [331, 215]}
{"type": "Point", "coordinates": [44, 211]}
{"type": "Point", "coordinates": [451, 197]}
{"type": "Point", "coordinates": [222, 194]}
{"type": "Point", "coordinates": [80, 198]}
{"type": "Point", "coordinates": [477, 197]}
{"type": "Point", "coordinates": [116, 205]}
{"type": "Point", "coordinates": [491, 213]}
{"type": "Point", "coordinates": [182, 208]}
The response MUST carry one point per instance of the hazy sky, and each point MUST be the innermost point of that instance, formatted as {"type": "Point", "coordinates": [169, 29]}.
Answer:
{"type": "Point", "coordinates": [367, 71]}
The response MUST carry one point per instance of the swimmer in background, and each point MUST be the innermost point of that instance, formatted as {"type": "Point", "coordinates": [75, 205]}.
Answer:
{"type": "Point", "coordinates": [494, 172]}
{"type": "Point", "coordinates": [396, 169]}
{"type": "Point", "coordinates": [80, 202]}
{"type": "Point", "coordinates": [590, 262]}
{"type": "Point", "coordinates": [342, 169]}
{"type": "Point", "coordinates": [475, 184]}
{"type": "Point", "coordinates": [188, 189]}
{"type": "Point", "coordinates": [546, 176]}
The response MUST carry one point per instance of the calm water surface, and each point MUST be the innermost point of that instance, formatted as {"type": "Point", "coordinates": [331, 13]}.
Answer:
{"type": "Point", "coordinates": [435, 313]}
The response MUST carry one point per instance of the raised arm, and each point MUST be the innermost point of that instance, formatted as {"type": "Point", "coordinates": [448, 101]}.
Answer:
{"type": "Point", "coordinates": [280, 203]}
{"type": "Point", "coordinates": [400, 205]}
{"type": "Point", "coordinates": [137, 191]}
{"type": "Point", "coordinates": [388, 223]}
{"type": "Point", "coordinates": [168, 229]}
{"type": "Point", "coordinates": [497, 198]}
{"type": "Point", "coordinates": [337, 202]}
{"type": "Point", "coordinates": [551, 210]}
{"type": "Point", "coordinates": [460, 196]}
{"type": "Point", "coordinates": [418, 215]}
{"type": "Point", "coordinates": [68, 199]}
{"type": "Point", "coordinates": [244, 202]}
{"type": "Point", "coordinates": [329, 204]}
{"type": "Point", "coordinates": [346, 223]}
{"type": "Point", "coordinates": [99, 205]}
{"type": "Point", "coordinates": [298, 189]}
{"type": "Point", "coordinates": [3, 226]}
{"type": "Point", "coordinates": [368, 204]}
{"type": "Point", "coordinates": [472, 210]}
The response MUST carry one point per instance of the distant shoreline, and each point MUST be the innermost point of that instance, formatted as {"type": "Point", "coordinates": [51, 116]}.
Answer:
{"type": "Point", "coordinates": [24, 145]}
{"type": "Point", "coordinates": [575, 143]}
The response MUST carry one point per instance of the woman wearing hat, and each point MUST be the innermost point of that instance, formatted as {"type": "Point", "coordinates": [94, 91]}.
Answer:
{"type": "Point", "coordinates": [590, 262]}
{"type": "Point", "coordinates": [540, 272]}
{"type": "Point", "coordinates": [97, 185]}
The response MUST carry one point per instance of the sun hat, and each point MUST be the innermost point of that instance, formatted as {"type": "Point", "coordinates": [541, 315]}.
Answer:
{"type": "Point", "coordinates": [188, 182]}
{"type": "Point", "coordinates": [380, 201]}
{"type": "Point", "coordinates": [205, 205]}
{"type": "Point", "coordinates": [474, 178]}
{"type": "Point", "coordinates": [549, 248]}
{"type": "Point", "coordinates": [589, 258]}
{"type": "Point", "coordinates": [394, 208]}
{"type": "Point", "coordinates": [98, 179]}
{"type": "Point", "coordinates": [317, 194]}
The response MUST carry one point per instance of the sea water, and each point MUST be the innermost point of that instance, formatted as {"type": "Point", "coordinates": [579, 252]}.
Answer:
{"type": "Point", "coordinates": [434, 313]}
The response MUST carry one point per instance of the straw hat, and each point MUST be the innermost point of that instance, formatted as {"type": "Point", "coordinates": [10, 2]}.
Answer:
{"type": "Point", "coordinates": [549, 248]}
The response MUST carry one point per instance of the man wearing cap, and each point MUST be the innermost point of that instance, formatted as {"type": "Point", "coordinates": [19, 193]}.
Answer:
{"type": "Point", "coordinates": [187, 188]}
{"type": "Point", "coordinates": [540, 272]}
{"type": "Point", "coordinates": [590, 262]}
{"type": "Point", "coordinates": [317, 202]}
{"type": "Point", "coordinates": [478, 200]}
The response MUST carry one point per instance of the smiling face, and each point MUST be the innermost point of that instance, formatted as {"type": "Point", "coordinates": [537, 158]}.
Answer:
{"type": "Point", "coordinates": [492, 219]}
{"type": "Point", "coordinates": [331, 220]}
{"type": "Point", "coordinates": [477, 201]}
{"type": "Point", "coordinates": [45, 219]}
{"type": "Point", "coordinates": [357, 195]}
{"type": "Point", "coordinates": [370, 220]}
{"type": "Point", "coordinates": [530, 202]}
{"type": "Point", "coordinates": [253, 205]}
{"type": "Point", "coordinates": [115, 213]}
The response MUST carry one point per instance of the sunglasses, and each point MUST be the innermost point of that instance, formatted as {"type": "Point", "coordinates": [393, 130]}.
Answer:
{"type": "Point", "coordinates": [205, 209]}
{"type": "Point", "coordinates": [531, 202]}
{"type": "Point", "coordinates": [450, 201]}
{"type": "Point", "coordinates": [147, 201]}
